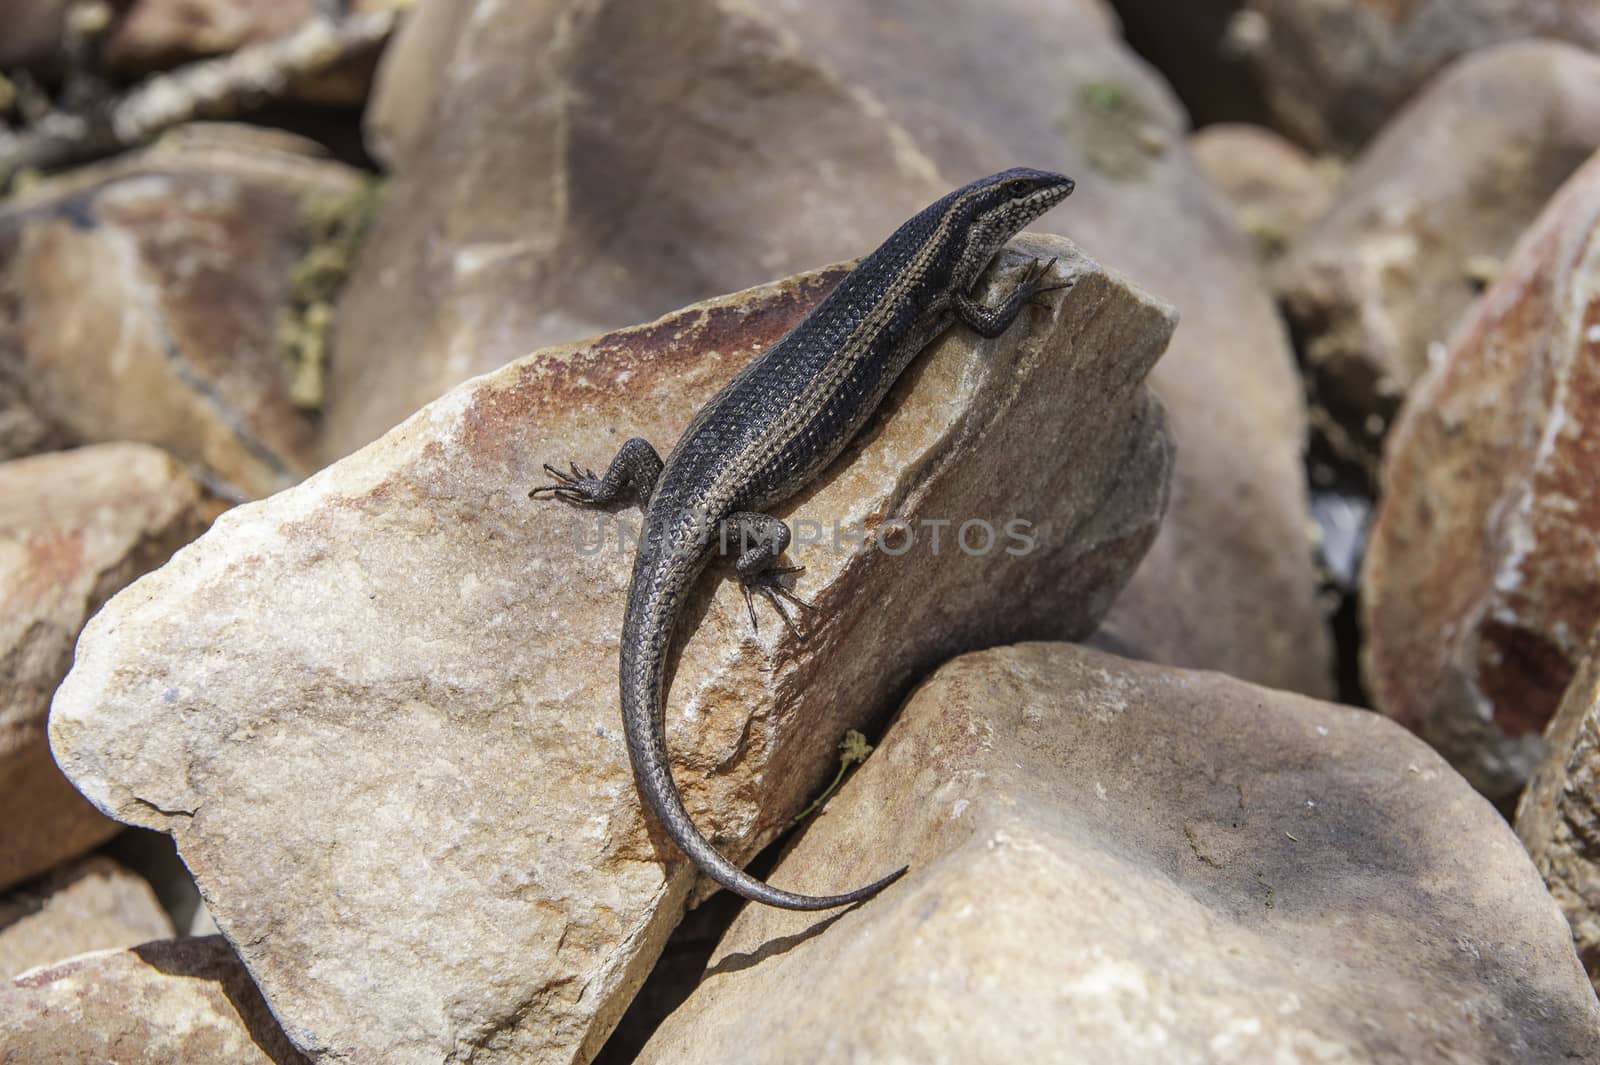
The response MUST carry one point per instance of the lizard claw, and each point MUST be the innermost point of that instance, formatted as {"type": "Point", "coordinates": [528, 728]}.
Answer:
{"type": "Point", "coordinates": [1032, 282]}
{"type": "Point", "coordinates": [1033, 277]}
{"type": "Point", "coordinates": [767, 585]}
{"type": "Point", "coordinates": [578, 487]}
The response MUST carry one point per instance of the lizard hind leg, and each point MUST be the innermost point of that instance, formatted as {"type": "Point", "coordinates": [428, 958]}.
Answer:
{"type": "Point", "coordinates": [632, 472]}
{"type": "Point", "coordinates": [760, 539]}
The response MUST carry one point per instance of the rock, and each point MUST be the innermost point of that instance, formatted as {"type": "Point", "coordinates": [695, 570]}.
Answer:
{"type": "Point", "coordinates": [409, 82]}
{"type": "Point", "coordinates": [492, 241]}
{"type": "Point", "coordinates": [1480, 587]}
{"type": "Point", "coordinates": [34, 33]}
{"type": "Point", "coordinates": [75, 527]}
{"type": "Point", "coordinates": [1276, 189]}
{"type": "Point", "coordinates": [158, 34]}
{"type": "Point", "coordinates": [1423, 222]}
{"type": "Point", "coordinates": [169, 275]}
{"type": "Point", "coordinates": [94, 904]}
{"type": "Point", "coordinates": [672, 978]}
{"type": "Point", "coordinates": [1334, 71]}
{"type": "Point", "coordinates": [1119, 862]}
{"type": "Point", "coordinates": [473, 875]}
{"type": "Point", "coordinates": [22, 430]}
{"type": "Point", "coordinates": [176, 1002]}
{"type": "Point", "coordinates": [154, 858]}
{"type": "Point", "coordinates": [680, 151]}
{"type": "Point", "coordinates": [1559, 815]}
{"type": "Point", "coordinates": [1194, 46]}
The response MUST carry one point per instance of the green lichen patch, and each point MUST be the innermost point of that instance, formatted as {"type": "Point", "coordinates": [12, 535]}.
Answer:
{"type": "Point", "coordinates": [1113, 129]}
{"type": "Point", "coordinates": [336, 225]}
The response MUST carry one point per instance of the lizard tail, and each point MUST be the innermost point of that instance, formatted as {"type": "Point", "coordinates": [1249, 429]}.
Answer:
{"type": "Point", "coordinates": [648, 751]}
{"type": "Point", "coordinates": [675, 819]}
{"type": "Point", "coordinates": [684, 833]}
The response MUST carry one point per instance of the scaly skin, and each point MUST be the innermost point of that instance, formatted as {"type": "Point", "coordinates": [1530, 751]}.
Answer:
{"type": "Point", "coordinates": [770, 432]}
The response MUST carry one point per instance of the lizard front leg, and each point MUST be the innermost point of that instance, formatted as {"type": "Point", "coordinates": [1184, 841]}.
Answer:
{"type": "Point", "coordinates": [633, 471]}
{"type": "Point", "coordinates": [990, 322]}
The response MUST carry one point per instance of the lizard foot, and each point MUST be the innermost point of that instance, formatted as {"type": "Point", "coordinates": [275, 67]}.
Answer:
{"type": "Point", "coordinates": [580, 486]}
{"type": "Point", "coordinates": [632, 473]}
{"type": "Point", "coordinates": [766, 584]}
{"type": "Point", "coordinates": [1032, 283]}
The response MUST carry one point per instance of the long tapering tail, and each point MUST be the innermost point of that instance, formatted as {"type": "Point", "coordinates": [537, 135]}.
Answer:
{"type": "Point", "coordinates": [647, 631]}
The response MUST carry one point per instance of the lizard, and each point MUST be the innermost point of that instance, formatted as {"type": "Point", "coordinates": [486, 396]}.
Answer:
{"type": "Point", "coordinates": [771, 431]}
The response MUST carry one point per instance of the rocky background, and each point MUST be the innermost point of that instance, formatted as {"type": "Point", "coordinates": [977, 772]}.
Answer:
{"type": "Point", "coordinates": [1281, 744]}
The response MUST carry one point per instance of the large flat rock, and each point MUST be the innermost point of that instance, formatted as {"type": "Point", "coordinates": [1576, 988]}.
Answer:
{"type": "Point", "coordinates": [378, 711]}
{"type": "Point", "coordinates": [1114, 862]}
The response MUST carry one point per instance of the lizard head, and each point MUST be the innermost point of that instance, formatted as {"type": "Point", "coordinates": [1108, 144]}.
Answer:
{"type": "Point", "coordinates": [994, 209]}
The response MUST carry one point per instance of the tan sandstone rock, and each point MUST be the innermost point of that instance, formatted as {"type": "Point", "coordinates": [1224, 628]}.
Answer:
{"type": "Point", "coordinates": [144, 300]}
{"type": "Point", "coordinates": [1114, 862]}
{"type": "Point", "coordinates": [175, 1002]}
{"type": "Point", "coordinates": [22, 430]}
{"type": "Point", "coordinates": [577, 167]}
{"type": "Point", "coordinates": [1481, 588]}
{"type": "Point", "coordinates": [1425, 219]}
{"type": "Point", "coordinates": [378, 711]}
{"type": "Point", "coordinates": [1559, 815]}
{"type": "Point", "coordinates": [1276, 188]}
{"type": "Point", "coordinates": [1334, 71]}
{"type": "Point", "coordinates": [94, 904]}
{"type": "Point", "coordinates": [75, 527]}
{"type": "Point", "coordinates": [154, 857]}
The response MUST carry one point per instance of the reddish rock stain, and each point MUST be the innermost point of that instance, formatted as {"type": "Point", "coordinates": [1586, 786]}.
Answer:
{"type": "Point", "coordinates": [1394, 12]}
{"type": "Point", "coordinates": [610, 371]}
{"type": "Point", "coordinates": [1523, 675]}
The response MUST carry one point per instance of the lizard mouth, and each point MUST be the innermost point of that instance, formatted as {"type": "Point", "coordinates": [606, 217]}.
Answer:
{"type": "Point", "coordinates": [1040, 201]}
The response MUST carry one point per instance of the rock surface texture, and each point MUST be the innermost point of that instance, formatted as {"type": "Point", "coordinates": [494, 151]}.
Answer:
{"type": "Point", "coordinates": [142, 300]}
{"type": "Point", "coordinates": [75, 527]}
{"type": "Point", "coordinates": [471, 874]}
{"type": "Point", "coordinates": [175, 1002]}
{"type": "Point", "coordinates": [1194, 46]}
{"type": "Point", "coordinates": [1559, 815]}
{"type": "Point", "coordinates": [1114, 862]}
{"type": "Point", "coordinates": [155, 34]}
{"type": "Point", "coordinates": [34, 31]}
{"type": "Point", "coordinates": [1424, 221]}
{"type": "Point", "coordinates": [94, 904]}
{"type": "Point", "coordinates": [23, 430]}
{"type": "Point", "coordinates": [1480, 588]}
{"type": "Point", "coordinates": [1334, 71]}
{"type": "Point", "coordinates": [590, 165]}
{"type": "Point", "coordinates": [1276, 188]}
